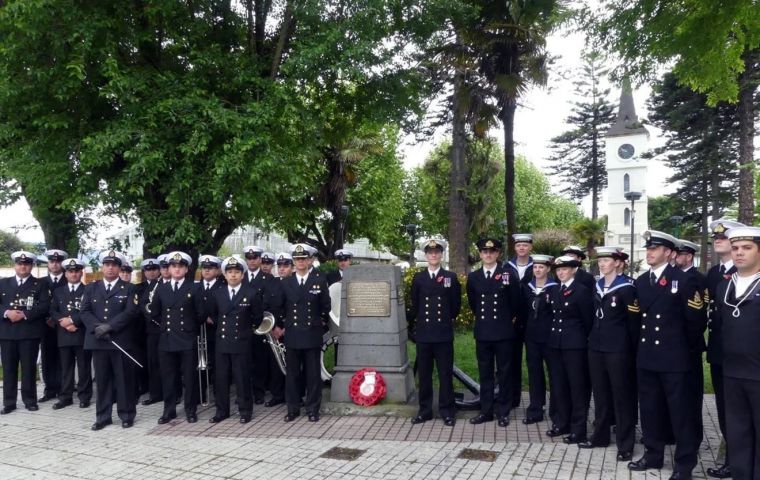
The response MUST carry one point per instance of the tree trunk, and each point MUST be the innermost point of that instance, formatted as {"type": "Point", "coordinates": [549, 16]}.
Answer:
{"type": "Point", "coordinates": [508, 122]}
{"type": "Point", "coordinates": [458, 221]}
{"type": "Point", "coordinates": [594, 175]}
{"type": "Point", "coordinates": [703, 224]}
{"type": "Point", "coordinates": [746, 142]}
{"type": "Point", "coordinates": [716, 214]}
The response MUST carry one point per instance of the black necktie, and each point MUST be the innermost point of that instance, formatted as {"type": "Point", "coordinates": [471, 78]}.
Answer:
{"type": "Point", "coordinates": [563, 288]}
{"type": "Point", "coordinates": [176, 286]}
{"type": "Point", "coordinates": [108, 288]}
{"type": "Point", "coordinates": [20, 282]}
{"type": "Point", "coordinates": [652, 278]}
{"type": "Point", "coordinates": [55, 281]}
{"type": "Point", "coordinates": [232, 294]}
{"type": "Point", "coordinates": [72, 289]}
{"type": "Point", "coordinates": [722, 269]}
{"type": "Point", "coordinates": [302, 282]}
{"type": "Point", "coordinates": [208, 286]}
{"type": "Point", "coordinates": [432, 276]}
{"type": "Point", "coordinates": [488, 275]}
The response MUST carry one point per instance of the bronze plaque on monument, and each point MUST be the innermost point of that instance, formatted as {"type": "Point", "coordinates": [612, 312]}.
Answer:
{"type": "Point", "coordinates": [368, 299]}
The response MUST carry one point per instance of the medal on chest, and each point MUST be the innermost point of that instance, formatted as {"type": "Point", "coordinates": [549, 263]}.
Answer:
{"type": "Point", "coordinates": [674, 287]}
{"type": "Point", "coordinates": [447, 282]}
{"type": "Point", "coordinates": [613, 304]}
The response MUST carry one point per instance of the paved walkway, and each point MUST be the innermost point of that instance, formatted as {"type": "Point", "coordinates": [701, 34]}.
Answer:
{"type": "Point", "coordinates": [50, 444]}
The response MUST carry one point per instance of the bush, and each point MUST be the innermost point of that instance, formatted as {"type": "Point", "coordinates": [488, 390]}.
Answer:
{"type": "Point", "coordinates": [550, 242]}
{"type": "Point", "coordinates": [466, 319]}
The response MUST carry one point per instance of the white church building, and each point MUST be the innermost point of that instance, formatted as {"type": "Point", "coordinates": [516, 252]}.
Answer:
{"type": "Point", "coordinates": [625, 141]}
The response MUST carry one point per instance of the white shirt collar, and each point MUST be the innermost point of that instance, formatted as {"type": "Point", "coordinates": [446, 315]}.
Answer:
{"type": "Point", "coordinates": [658, 271]}
{"type": "Point", "coordinates": [252, 273]}
{"type": "Point", "coordinates": [74, 285]}
{"type": "Point", "coordinates": [19, 279]}
{"type": "Point", "coordinates": [434, 272]}
{"type": "Point", "coordinates": [112, 283]}
{"type": "Point", "coordinates": [237, 288]}
{"type": "Point", "coordinates": [178, 282]}
{"type": "Point", "coordinates": [299, 277]}
{"type": "Point", "coordinates": [728, 264]}
{"type": "Point", "coordinates": [491, 270]}
{"type": "Point", "coordinates": [209, 283]}
{"type": "Point", "coordinates": [56, 278]}
{"type": "Point", "coordinates": [569, 282]}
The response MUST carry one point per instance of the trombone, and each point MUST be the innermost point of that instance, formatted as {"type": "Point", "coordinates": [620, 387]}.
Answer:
{"type": "Point", "coordinates": [203, 369]}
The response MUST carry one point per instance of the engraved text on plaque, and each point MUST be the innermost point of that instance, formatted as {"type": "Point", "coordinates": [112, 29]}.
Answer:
{"type": "Point", "coordinates": [368, 299]}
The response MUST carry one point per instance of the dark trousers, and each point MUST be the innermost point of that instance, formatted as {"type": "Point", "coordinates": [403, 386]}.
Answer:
{"type": "Point", "coordinates": [153, 366]}
{"type": "Point", "coordinates": [612, 381]}
{"type": "Point", "coordinates": [569, 377]}
{"type": "Point", "coordinates": [75, 358]}
{"type": "Point", "coordinates": [206, 386]}
{"type": "Point", "coordinates": [515, 371]}
{"type": "Point", "coordinates": [51, 365]}
{"type": "Point", "coordinates": [233, 367]}
{"type": "Point", "coordinates": [716, 372]}
{"type": "Point", "coordinates": [660, 394]}
{"type": "Point", "coordinates": [486, 352]}
{"type": "Point", "coordinates": [180, 366]}
{"type": "Point", "coordinates": [743, 426]}
{"type": "Point", "coordinates": [697, 382]}
{"type": "Point", "coordinates": [260, 355]}
{"type": "Point", "coordinates": [115, 378]}
{"type": "Point", "coordinates": [536, 356]}
{"type": "Point", "coordinates": [13, 353]}
{"type": "Point", "coordinates": [442, 353]}
{"type": "Point", "coordinates": [303, 362]}
{"type": "Point", "coordinates": [277, 378]}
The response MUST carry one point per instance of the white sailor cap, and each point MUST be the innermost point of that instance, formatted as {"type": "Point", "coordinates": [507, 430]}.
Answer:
{"type": "Point", "coordinates": [574, 249]}
{"type": "Point", "coordinates": [522, 237]}
{"type": "Point", "coordinates": [233, 262]}
{"type": "Point", "coordinates": [73, 264]}
{"type": "Point", "coordinates": [22, 256]}
{"type": "Point", "coordinates": [719, 227]}
{"type": "Point", "coordinates": [284, 258]}
{"type": "Point", "coordinates": [56, 255]}
{"type": "Point", "coordinates": [111, 256]}
{"type": "Point", "coordinates": [654, 238]}
{"type": "Point", "coordinates": [149, 263]}
{"type": "Point", "coordinates": [608, 252]}
{"type": "Point", "coordinates": [163, 260]}
{"type": "Point", "coordinates": [543, 259]}
{"type": "Point", "coordinates": [343, 254]}
{"type": "Point", "coordinates": [433, 244]}
{"type": "Point", "coordinates": [267, 257]}
{"type": "Point", "coordinates": [565, 261]}
{"type": "Point", "coordinates": [744, 233]}
{"type": "Point", "coordinates": [127, 266]}
{"type": "Point", "coordinates": [300, 250]}
{"type": "Point", "coordinates": [252, 251]}
{"type": "Point", "coordinates": [179, 257]}
{"type": "Point", "coordinates": [313, 251]}
{"type": "Point", "coordinates": [685, 246]}
{"type": "Point", "coordinates": [209, 261]}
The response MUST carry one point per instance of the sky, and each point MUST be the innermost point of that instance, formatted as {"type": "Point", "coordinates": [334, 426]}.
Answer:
{"type": "Point", "coordinates": [540, 116]}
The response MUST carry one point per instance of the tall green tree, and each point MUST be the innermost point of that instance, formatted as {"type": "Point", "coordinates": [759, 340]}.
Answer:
{"type": "Point", "coordinates": [714, 47]}
{"type": "Point", "coordinates": [578, 154]}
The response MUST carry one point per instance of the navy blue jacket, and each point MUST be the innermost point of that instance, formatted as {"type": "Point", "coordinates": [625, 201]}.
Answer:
{"type": "Point", "coordinates": [307, 310]}
{"type": "Point", "coordinates": [67, 304]}
{"type": "Point", "coordinates": [714, 323]}
{"type": "Point", "coordinates": [538, 308]}
{"type": "Point", "coordinates": [573, 311]}
{"type": "Point", "coordinates": [616, 318]}
{"type": "Point", "coordinates": [118, 308]}
{"type": "Point", "coordinates": [33, 299]}
{"type": "Point", "coordinates": [494, 302]}
{"type": "Point", "coordinates": [435, 305]}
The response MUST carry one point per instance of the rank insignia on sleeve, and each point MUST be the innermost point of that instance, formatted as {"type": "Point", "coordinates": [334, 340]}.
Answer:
{"type": "Point", "coordinates": [634, 307]}
{"type": "Point", "coordinates": [696, 302]}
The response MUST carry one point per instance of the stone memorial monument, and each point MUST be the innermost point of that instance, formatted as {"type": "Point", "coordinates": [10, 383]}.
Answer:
{"type": "Point", "coordinates": [373, 331]}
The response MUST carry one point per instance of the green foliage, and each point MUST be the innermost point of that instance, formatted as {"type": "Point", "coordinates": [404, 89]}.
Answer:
{"type": "Point", "coordinates": [589, 232]}
{"type": "Point", "coordinates": [551, 242]}
{"type": "Point", "coordinates": [662, 209]}
{"type": "Point", "coordinates": [10, 243]}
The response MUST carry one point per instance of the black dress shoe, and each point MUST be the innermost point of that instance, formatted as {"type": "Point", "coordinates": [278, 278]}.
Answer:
{"type": "Point", "coordinates": [166, 418]}
{"type": "Point", "coordinates": [557, 432]}
{"type": "Point", "coordinates": [291, 416]}
{"type": "Point", "coordinates": [32, 408]}
{"type": "Point", "coordinates": [503, 421]}
{"type": "Point", "coordinates": [642, 464]}
{"type": "Point", "coordinates": [150, 401]}
{"type": "Point", "coordinates": [59, 404]}
{"type": "Point", "coordinates": [46, 397]}
{"type": "Point", "coordinates": [217, 419]}
{"type": "Point", "coordinates": [420, 419]}
{"type": "Point", "coordinates": [274, 402]}
{"type": "Point", "coordinates": [100, 425]}
{"type": "Point", "coordinates": [531, 421]}
{"type": "Point", "coordinates": [449, 421]}
{"type": "Point", "coordinates": [314, 417]}
{"type": "Point", "coordinates": [477, 420]}
{"type": "Point", "coordinates": [724, 471]}
{"type": "Point", "coordinates": [245, 418]}
{"type": "Point", "coordinates": [592, 444]}
{"type": "Point", "coordinates": [624, 456]}
{"type": "Point", "coordinates": [258, 401]}
{"type": "Point", "coordinates": [680, 476]}
{"type": "Point", "coordinates": [7, 410]}
{"type": "Point", "coordinates": [127, 424]}
{"type": "Point", "coordinates": [573, 438]}
{"type": "Point", "coordinates": [192, 418]}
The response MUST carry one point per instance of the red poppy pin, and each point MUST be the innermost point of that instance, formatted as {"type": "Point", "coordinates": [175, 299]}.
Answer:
{"type": "Point", "coordinates": [567, 292]}
{"type": "Point", "coordinates": [439, 279]}
{"type": "Point", "coordinates": [497, 276]}
{"type": "Point", "coordinates": [727, 277]}
{"type": "Point", "coordinates": [663, 281]}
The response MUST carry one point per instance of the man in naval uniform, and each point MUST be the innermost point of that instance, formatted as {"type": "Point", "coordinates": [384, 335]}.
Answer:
{"type": "Point", "coordinates": [148, 330]}
{"type": "Point", "coordinates": [51, 365]}
{"type": "Point", "coordinates": [343, 256]}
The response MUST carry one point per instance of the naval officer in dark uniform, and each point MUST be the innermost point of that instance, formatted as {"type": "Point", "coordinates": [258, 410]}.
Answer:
{"type": "Point", "coordinates": [148, 329]}
{"type": "Point", "coordinates": [436, 299]}
{"type": "Point", "coordinates": [738, 306]}
{"type": "Point", "coordinates": [64, 310]}
{"type": "Point", "coordinates": [51, 365]}
{"type": "Point", "coordinates": [581, 275]}
{"type": "Point", "coordinates": [24, 302]}
{"type": "Point", "coordinates": [493, 293]}
{"type": "Point", "coordinates": [306, 313]}
{"type": "Point", "coordinates": [719, 273]}
{"type": "Point", "coordinates": [109, 312]}
{"type": "Point", "coordinates": [235, 309]}
{"type": "Point", "coordinates": [539, 316]}
{"type": "Point", "coordinates": [612, 347]}
{"type": "Point", "coordinates": [573, 307]}
{"type": "Point", "coordinates": [178, 308]}
{"type": "Point", "coordinates": [522, 264]}
{"type": "Point", "coordinates": [343, 257]}
{"type": "Point", "coordinates": [672, 323]}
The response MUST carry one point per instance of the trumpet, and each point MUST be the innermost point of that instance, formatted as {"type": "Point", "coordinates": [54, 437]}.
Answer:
{"type": "Point", "coordinates": [278, 348]}
{"type": "Point", "coordinates": [203, 366]}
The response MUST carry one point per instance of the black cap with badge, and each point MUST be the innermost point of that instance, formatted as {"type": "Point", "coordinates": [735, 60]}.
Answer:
{"type": "Point", "coordinates": [488, 244]}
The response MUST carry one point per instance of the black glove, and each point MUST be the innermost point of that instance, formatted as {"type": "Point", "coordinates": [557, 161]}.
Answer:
{"type": "Point", "coordinates": [102, 330]}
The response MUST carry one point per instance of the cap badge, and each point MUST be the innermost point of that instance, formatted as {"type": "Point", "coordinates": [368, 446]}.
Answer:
{"type": "Point", "coordinates": [720, 229]}
{"type": "Point", "coordinates": [177, 257]}
{"type": "Point", "coordinates": [489, 244]}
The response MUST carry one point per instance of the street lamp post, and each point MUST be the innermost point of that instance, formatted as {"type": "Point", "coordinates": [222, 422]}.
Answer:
{"type": "Point", "coordinates": [411, 229]}
{"type": "Point", "coordinates": [632, 196]}
{"type": "Point", "coordinates": [342, 226]}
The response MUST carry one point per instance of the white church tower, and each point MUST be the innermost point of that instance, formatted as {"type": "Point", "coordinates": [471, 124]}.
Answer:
{"type": "Point", "coordinates": [625, 141]}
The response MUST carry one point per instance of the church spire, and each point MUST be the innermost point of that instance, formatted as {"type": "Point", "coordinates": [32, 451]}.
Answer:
{"type": "Point", "coordinates": [627, 122]}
